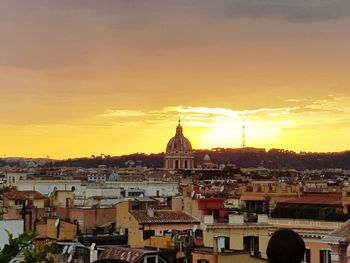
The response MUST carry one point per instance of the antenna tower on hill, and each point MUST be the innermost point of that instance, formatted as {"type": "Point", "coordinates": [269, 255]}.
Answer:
{"type": "Point", "coordinates": [244, 142]}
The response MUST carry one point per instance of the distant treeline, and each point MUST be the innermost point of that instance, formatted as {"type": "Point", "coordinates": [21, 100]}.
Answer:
{"type": "Point", "coordinates": [2, 162]}
{"type": "Point", "coordinates": [243, 157]}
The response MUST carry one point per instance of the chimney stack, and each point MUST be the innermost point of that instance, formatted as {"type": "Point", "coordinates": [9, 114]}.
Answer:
{"type": "Point", "coordinates": [150, 212]}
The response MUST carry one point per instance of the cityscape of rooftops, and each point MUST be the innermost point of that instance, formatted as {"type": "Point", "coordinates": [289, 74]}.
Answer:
{"type": "Point", "coordinates": [187, 131]}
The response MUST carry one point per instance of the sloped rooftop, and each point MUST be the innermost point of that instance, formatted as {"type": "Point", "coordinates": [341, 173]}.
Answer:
{"type": "Point", "coordinates": [163, 217]}
{"type": "Point", "coordinates": [23, 195]}
{"type": "Point", "coordinates": [315, 199]}
{"type": "Point", "coordinates": [342, 231]}
{"type": "Point", "coordinates": [131, 255]}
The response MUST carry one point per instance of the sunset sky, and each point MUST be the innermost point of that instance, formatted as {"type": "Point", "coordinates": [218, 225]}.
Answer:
{"type": "Point", "coordinates": [88, 77]}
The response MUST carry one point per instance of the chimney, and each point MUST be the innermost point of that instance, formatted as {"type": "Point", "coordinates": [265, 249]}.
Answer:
{"type": "Point", "coordinates": [93, 253]}
{"type": "Point", "coordinates": [150, 212]}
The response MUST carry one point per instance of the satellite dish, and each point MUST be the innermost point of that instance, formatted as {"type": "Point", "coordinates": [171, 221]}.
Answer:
{"type": "Point", "coordinates": [57, 222]}
{"type": "Point", "coordinates": [222, 188]}
{"type": "Point", "coordinates": [70, 249]}
{"type": "Point", "coordinates": [194, 228]}
{"type": "Point", "coordinates": [70, 258]}
{"type": "Point", "coordinates": [141, 195]}
{"type": "Point", "coordinates": [93, 246]}
{"type": "Point", "coordinates": [65, 249]}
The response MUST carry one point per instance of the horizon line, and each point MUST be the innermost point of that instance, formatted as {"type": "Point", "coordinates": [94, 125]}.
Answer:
{"type": "Point", "coordinates": [212, 149]}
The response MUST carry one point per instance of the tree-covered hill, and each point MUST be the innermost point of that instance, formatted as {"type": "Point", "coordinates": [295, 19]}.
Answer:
{"type": "Point", "coordinates": [246, 157]}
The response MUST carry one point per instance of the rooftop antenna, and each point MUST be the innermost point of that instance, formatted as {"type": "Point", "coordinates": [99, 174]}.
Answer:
{"type": "Point", "coordinates": [93, 246]}
{"type": "Point", "coordinates": [244, 143]}
{"type": "Point", "coordinates": [192, 194]}
{"type": "Point", "coordinates": [194, 229]}
{"type": "Point", "coordinates": [57, 222]}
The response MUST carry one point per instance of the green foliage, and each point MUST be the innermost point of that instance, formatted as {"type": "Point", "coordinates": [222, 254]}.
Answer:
{"type": "Point", "coordinates": [36, 255]}
{"type": "Point", "coordinates": [22, 250]}
{"type": "Point", "coordinates": [246, 157]}
{"type": "Point", "coordinates": [309, 212]}
{"type": "Point", "coordinates": [338, 217]}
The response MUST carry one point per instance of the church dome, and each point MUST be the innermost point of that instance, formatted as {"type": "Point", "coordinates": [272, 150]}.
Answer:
{"type": "Point", "coordinates": [179, 143]}
{"type": "Point", "coordinates": [207, 158]}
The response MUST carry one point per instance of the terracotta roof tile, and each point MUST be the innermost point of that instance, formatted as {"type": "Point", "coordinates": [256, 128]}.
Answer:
{"type": "Point", "coordinates": [315, 199]}
{"type": "Point", "coordinates": [163, 217]}
{"type": "Point", "coordinates": [342, 231]}
{"type": "Point", "coordinates": [131, 255]}
{"type": "Point", "coordinates": [22, 195]}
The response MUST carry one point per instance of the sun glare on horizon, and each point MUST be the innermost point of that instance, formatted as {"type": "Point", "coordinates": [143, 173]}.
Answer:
{"type": "Point", "coordinates": [229, 134]}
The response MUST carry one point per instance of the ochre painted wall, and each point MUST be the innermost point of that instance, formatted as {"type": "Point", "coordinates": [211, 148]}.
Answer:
{"type": "Point", "coordinates": [126, 221]}
{"type": "Point", "coordinates": [237, 235]}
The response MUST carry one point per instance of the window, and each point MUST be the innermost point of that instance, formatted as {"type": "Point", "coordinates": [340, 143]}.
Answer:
{"type": "Point", "coordinates": [325, 256]}
{"type": "Point", "coordinates": [18, 202]}
{"type": "Point", "coordinates": [215, 213]}
{"type": "Point", "coordinates": [223, 243]}
{"type": "Point", "coordinates": [148, 233]}
{"type": "Point", "coordinates": [151, 259]}
{"type": "Point", "coordinates": [130, 194]}
{"type": "Point", "coordinates": [202, 261]}
{"type": "Point", "coordinates": [251, 244]}
{"type": "Point", "coordinates": [199, 233]}
{"type": "Point", "coordinates": [307, 256]}
{"type": "Point", "coordinates": [176, 164]}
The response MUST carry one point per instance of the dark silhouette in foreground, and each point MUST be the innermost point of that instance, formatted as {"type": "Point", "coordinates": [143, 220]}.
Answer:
{"type": "Point", "coordinates": [110, 261]}
{"type": "Point", "coordinates": [285, 246]}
